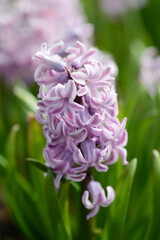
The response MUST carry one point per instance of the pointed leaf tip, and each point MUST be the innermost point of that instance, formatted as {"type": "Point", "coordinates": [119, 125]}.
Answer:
{"type": "Point", "coordinates": [16, 128]}
{"type": "Point", "coordinates": [155, 154]}
{"type": "Point", "coordinates": [38, 164]}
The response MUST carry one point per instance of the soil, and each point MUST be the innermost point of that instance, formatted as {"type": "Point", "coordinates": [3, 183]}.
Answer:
{"type": "Point", "coordinates": [8, 231]}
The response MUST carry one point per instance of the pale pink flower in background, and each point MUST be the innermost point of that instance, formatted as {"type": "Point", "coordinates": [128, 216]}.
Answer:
{"type": "Point", "coordinates": [26, 24]}
{"type": "Point", "coordinates": [115, 8]}
{"type": "Point", "coordinates": [150, 70]}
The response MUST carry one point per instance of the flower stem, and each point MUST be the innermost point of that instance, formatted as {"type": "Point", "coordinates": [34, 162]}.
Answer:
{"type": "Point", "coordinates": [88, 226]}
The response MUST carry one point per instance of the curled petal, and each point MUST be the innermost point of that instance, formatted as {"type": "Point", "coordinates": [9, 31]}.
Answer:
{"type": "Point", "coordinates": [101, 167]}
{"type": "Point", "coordinates": [79, 135]}
{"type": "Point", "coordinates": [41, 117]}
{"type": "Point", "coordinates": [93, 213]}
{"type": "Point", "coordinates": [123, 153]}
{"type": "Point", "coordinates": [95, 120]}
{"type": "Point", "coordinates": [106, 136]}
{"type": "Point", "coordinates": [70, 90]}
{"type": "Point", "coordinates": [113, 158]}
{"type": "Point", "coordinates": [122, 141]}
{"type": "Point", "coordinates": [110, 197]}
{"type": "Point", "coordinates": [88, 147]}
{"type": "Point", "coordinates": [56, 48]}
{"type": "Point", "coordinates": [82, 91]}
{"type": "Point", "coordinates": [85, 200]}
{"type": "Point", "coordinates": [75, 106]}
{"type": "Point", "coordinates": [79, 77]}
{"type": "Point", "coordinates": [77, 177]}
{"type": "Point", "coordinates": [57, 180]}
{"type": "Point", "coordinates": [78, 157]}
{"type": "Point", "coordinates": [56, 110]}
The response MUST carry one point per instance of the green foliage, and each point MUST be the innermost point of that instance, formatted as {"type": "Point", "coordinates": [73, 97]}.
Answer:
{"type": "Point", "coordinates": [54, 209]}
{"type": "Point", "coordinates": [114, 228]}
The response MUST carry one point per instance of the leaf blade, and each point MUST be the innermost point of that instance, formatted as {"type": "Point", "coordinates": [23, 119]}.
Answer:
{"type": "Point", "coordinates": [54, 209]}
{"type": "Point", "coordinates": [37, 164]}
{"type": "Point", "coordinates": [118, 210]}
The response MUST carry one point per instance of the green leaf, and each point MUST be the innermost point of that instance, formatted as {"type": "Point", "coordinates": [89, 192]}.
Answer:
{"type": "Point", "coordinates": [10, 150]}
{"type": "Point", "coordinates": [64, 200]}
{"type": "Point", "coordinates": [37, 164]}
{"type": "Point", "coordinates": [35, 138]}
{"type": "Point", "coordinates": [55, 210]}
{"type": "Point", "coordinates": [156, 170]}
{"type": "Point", "coordinates": [36, 208]}
{"type": "Point", "coordinates": [25, 187]}
{"type": "Point", "coordinates": [115, 226]}
{"type": "Point", "coordinates": [123, 188]}
{"type": "Point", "coordinates": [3, 162]}
{"type": "Point", "coordinates": [76, 186]}
{"type": "Point", "coordinates": [26, 97]}
{"type": "Point", "coordinates": [24, 208]}
{"type": "Point", "coordinates": [18, 214]}
{"type": "Point", "coordinates": [155, 231]}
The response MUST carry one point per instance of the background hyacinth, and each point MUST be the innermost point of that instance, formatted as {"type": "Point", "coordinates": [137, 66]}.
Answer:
{"type": "Point", "coordinates": [81, 135]}
{"type": "Point", "coordinates": [150, 70]}
{"type": "Point", "coordinates": [79, 109]}
{"type": "Point", "coordinates": [25, 25]}
{"type": "Point", "coordinates": [115, 8]}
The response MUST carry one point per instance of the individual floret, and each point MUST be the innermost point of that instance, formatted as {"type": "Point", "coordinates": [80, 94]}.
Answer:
{"type": "Point", "coordinates": [98, 197]}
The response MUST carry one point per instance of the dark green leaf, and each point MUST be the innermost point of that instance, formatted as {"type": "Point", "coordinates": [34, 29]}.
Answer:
{"type": "Point", "coordinates": [64, 200]}
{"type": "Point", "coordinates": [54, 209]}
{"type": "Point", "coordinates": [37, 164]}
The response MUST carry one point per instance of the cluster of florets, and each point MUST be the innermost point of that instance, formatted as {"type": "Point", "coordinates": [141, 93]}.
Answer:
{"type": "Point", "coordinates": [24, 25]}
{"type": "Point", "coordinates": [115, 8]}
{"type": "Point", "coordinates": [150, 70]}
{"type": "Point", "coordinates": [78, 109]}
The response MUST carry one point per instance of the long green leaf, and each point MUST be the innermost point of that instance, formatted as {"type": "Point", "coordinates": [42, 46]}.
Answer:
{"type": "Point", "coordinates": [26, 98]}
{"type": "Point", "coordinates": [115, 227]}
{"type": "Point", "coordinates": [3, 164]}
{"type": "Point", "coordinates": [155, 231]}
{"type": "Point", "coordinates": [64, 200]}
{"type": "Point", "coordinates": [55, 210]}
{"type": "Point", "coordinates": [35, 138]}
{"type": "Point", "coordinates": [10, 150]}
{"type": "Point", "coordinates": [25, 209]}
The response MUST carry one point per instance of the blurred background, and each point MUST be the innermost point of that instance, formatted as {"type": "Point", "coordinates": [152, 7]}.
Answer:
{"type": "Point", "coordinates": [128, 32]}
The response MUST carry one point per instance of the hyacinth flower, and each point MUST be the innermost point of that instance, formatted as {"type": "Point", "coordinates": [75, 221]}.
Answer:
{"type": "Point", "coordinates": [118, 7]}
{"type": "Point", "coordinates": [24, 28]}
{"type": "Point", "coordinates": [150, 70]}
{"type": "Point", "coordinates": [98, 197]}
{"type": "Point", "coordinates": [78, 109]}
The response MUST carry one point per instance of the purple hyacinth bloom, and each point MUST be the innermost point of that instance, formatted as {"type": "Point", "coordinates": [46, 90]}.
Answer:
{"type": "Point", "coordinates": [78, 108]}
{"type": "Point", "coordinates": [97, 196]}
